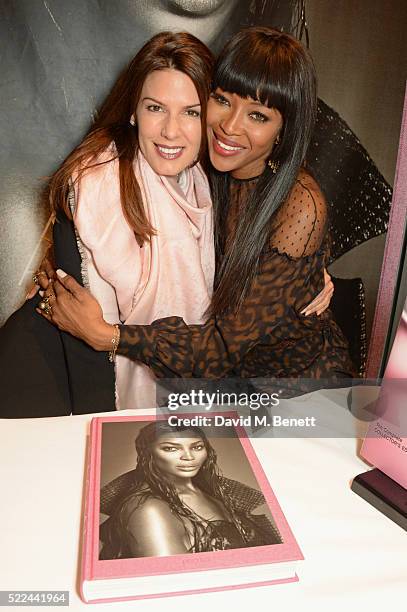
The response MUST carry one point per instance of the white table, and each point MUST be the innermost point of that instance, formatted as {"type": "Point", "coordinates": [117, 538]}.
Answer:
{"type": "Point", "coordinates": [355, 558]}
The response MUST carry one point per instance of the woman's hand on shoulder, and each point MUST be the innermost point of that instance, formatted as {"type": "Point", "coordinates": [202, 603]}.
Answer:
{"type": "Point", "coordinates": [156, 530]}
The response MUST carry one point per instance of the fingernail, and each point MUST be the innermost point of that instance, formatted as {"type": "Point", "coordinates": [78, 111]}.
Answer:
{"type": "Point", "coordinates": [61, 273]}
{"type": "Point", "coordinates": [41, 293]}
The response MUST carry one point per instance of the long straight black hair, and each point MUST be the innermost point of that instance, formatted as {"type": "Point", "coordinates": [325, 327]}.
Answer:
{"type": "Point", "coordinates": [274, 68]}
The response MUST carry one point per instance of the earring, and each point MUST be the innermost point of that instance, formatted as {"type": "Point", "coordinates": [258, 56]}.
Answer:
{"type": "Point", "coordinates": [273, 165]}
{"type": "Point", "coordinates": [132, 120]}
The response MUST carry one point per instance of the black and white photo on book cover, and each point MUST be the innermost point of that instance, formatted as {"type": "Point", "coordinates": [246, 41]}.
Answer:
{"type": "Point", "coordinates": [178, 490]}
{"type": "Point", "coordinates": [178, 509]}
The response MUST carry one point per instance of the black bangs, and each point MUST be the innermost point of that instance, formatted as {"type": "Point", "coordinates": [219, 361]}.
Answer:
{"type": "Point", "coordinates": [274, 68]}
{"type": "Point", "coordinates": [249, 72]}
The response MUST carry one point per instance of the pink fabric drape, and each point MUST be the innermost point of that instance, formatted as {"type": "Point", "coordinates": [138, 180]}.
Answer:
{"type": "Point", "coordinates": [170, 275]}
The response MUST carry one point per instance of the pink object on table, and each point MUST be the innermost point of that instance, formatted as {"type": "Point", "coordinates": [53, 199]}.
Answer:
{"type": "Point", "coordinates": [172, 274]}
{"type": "Point", "coordinates": [276, 560]}
{"type": "Point", "coordinates": [385, 445]}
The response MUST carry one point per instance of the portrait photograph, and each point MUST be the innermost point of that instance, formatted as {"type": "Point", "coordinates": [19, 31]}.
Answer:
{"type": "Point", "coordinates": [178, 490]}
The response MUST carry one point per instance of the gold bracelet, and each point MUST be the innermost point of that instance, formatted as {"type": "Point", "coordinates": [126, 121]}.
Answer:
{"type": "Point", "coordinates": [115, 343]}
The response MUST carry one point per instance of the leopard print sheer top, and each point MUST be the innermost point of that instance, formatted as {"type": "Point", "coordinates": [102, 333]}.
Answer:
{"type": "Point", "coordinates": [268, 337]}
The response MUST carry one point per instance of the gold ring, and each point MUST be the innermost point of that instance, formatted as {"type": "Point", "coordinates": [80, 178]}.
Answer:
{"type": "Point", "coordinates": [43, 305]}
{"type": "Point", "coordinates": [36, 276]}
{"type": "Point", "coordinates": [46, 298]}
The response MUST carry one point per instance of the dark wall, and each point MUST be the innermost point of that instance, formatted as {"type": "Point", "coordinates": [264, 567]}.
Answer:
{"type": "Point", "coordinates": [360, 51]}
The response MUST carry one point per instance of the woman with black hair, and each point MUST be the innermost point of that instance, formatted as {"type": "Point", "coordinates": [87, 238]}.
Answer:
{"type": "Point", "coordinates": [175, 501]}
{"type": "Point", "coordinates": [271, 234]}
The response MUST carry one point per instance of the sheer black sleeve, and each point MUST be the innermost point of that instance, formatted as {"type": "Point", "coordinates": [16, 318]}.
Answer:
{"type": "Point", "coordinates": [301, 222]}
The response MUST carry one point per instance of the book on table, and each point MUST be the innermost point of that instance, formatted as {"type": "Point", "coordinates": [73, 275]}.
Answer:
{"type": "Point", "coordinates": [176, 510]}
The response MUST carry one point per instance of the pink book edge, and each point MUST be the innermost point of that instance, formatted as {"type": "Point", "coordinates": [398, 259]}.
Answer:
{"type": "Point", "coordinates": [94, 569]}
{"type": "Point", "coordinates": [89, 505]}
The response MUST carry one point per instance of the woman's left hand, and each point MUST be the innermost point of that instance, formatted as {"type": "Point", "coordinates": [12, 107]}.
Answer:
{"type": "Point", "coordinates": [73, 309]}
{"type": "Point", "coordinates": [323, 299]}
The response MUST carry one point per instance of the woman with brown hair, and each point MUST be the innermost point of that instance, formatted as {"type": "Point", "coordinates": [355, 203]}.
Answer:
{"type": "Point", "coordinates": [143, 211]}
{"type": "Point", "coordinates": [142, 214]}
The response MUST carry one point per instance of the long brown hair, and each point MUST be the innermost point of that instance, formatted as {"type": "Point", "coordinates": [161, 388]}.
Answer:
{"type": "Point", "coordinates": [276, 69]}
{"type": "Point", "coordinates": [180, 51]}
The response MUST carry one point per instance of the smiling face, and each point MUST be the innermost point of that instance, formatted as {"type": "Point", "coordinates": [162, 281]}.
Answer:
{"type": "Point", "coordinates": [168, 117]}
{"type": "Point", "coordinates": [179, 457]}
{"type": "Point", "coordinates": [241, 133]}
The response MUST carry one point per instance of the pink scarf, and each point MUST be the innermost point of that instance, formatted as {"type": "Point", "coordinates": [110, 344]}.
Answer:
{"type": "Point", "coordinates": [170, 275]}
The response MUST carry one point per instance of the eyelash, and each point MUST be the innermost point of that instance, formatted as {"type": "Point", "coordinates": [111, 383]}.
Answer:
{"type": "Point", "coordinates": [255, 115]}
{"type": "Point", "coordinates": [198, 447]}
{"type": "Point", "coordinates": [259, 117]}
{"type": "Point", "coordinates": [220, 99]}
{"type": "Point", "coordinates": [155, 108]}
